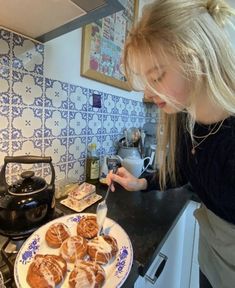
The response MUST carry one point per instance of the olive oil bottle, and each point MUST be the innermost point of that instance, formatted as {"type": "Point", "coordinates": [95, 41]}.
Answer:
{"type": "Point", "coordinates": [92, 165]}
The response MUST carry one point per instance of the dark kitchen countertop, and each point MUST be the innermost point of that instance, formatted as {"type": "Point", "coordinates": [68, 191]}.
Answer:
{"type": "Point", "coordinates": [147, 218]}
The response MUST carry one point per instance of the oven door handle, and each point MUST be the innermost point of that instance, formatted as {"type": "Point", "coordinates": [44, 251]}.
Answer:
{"type": "Point", "coordinates": [159, 269]}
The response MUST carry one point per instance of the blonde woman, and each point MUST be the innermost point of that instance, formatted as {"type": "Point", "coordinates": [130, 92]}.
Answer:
{"type": "Point", "coordinates": [180, 55]}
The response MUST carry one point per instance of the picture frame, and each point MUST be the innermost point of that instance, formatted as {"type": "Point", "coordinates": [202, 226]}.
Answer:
{"type": "Point", "coordinates": [103, 43]}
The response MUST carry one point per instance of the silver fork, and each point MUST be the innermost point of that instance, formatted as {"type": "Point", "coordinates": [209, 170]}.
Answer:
{"type": "Point", "coordinates": [101, 210]}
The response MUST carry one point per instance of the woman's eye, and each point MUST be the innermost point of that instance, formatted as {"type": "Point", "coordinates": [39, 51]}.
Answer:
{"type": "Point", "coordinates": [159, 79]}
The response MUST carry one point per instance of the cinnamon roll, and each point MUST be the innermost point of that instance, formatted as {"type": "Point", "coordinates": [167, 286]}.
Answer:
{"type": "Point", "coordinates": [87, 274]}
{"type": "Point", "coordinates": [73, 248]}
{"type": "Point", "coordinates": [87, 227]}
{"type": "Point", "coordinates": [102, 249]}
{"type": "Point", "coordinates": [56, 234]}
{"type": "Point", "coordinates": [46, 271]}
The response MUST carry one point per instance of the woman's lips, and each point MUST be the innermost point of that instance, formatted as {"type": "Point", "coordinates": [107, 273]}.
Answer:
{"type": "Point", "coordinates": [161, 105]}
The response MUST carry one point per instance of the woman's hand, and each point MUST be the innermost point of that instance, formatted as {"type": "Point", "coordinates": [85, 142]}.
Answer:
{"type": "Point", "coordinates": [126, 180]}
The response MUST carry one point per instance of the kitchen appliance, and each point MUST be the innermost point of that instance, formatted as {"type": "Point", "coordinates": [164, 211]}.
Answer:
{"type": "Point", "coordinates": [29, 202]}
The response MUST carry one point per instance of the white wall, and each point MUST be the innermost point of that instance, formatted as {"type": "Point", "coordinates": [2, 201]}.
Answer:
{"type": "Point", "coordinates": [63, 60]}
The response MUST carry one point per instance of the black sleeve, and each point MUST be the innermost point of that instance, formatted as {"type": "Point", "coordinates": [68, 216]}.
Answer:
{"type": "Point", "coordinates": [153, 182]}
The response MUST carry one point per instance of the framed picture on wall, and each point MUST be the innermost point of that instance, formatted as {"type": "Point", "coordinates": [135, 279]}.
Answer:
{"type": "Point", "coordinates": [102, 46]}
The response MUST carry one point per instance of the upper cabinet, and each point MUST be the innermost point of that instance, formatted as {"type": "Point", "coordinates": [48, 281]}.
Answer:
{"type": "Point", "coordinates": [47, 19]}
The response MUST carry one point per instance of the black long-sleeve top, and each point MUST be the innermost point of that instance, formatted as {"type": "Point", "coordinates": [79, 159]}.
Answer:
{"type": "Point", "coordinates": [211, 170]}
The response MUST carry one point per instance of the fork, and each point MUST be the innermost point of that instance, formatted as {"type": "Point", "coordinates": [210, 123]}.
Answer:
{"type": "Point", "coordinates": [101, 210]}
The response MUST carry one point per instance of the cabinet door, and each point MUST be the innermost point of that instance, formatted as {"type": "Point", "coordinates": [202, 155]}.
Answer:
{"type": "Point", "coordinates": [171, 252]}
{"type": "Point", "coordinates": [190, 242]}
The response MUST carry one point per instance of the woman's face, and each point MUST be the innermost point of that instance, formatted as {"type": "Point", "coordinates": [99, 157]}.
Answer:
{"type": "Point", "coordinates": [166, 79]}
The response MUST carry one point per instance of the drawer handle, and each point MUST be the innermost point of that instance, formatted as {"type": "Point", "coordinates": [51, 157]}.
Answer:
{"type": "Point", "coordinates": [159, 269]}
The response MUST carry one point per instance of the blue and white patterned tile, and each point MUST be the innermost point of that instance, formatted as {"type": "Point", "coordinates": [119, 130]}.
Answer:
{"type": "Point", "coordinates": [26, 122]}
{"type": "Point", "coordinates": [57, 149]}
{"type": "Point", "coordinates": [78, 98]}
{"type": "Point", "coordinates": [60, 172]}
{"type": "Point", "coordinates": [27, 147]}
{"type": "Point", "coordinates": [27, 89]}
{"type": "Point", "coordinates": [128, 123]}
{"type": "Point", "coordinates": [4, 123]}
{"type": "Point", "coordinates": [130, 108]}
{"type": "Point", "coordinates": [134, 121]}
{"type": "Point", "coordinates": [4, 151]}
{"type": "Point", "coordinates": [94, 123]}
{"type": "Point", "coordinates": [140, 109]}
{"type": "Point", "coordinates": [134, 108]}
{"type": "Point", "coordinates": [17, 168]}
{"type": "Point", "coordinates": [90, 107]}
{"type": "Point", "coordinates": [76, 170]}
{"type": "Point", "coordinates": [76, 148]}
{"type": "Point", "coordinates": [5, 38]}
{"type": "Point", "coordinates": [101, 148]}
{"type": "Point", "coordinates": [56, 94]}
{"type": "Point", "coordinates": [77, 123]}
{"type": "Point", "coordinates": [123, 120]}
{"type": "Point", "coordinates": [108, 125]}
{"type": "Point", "coordinates": [4, 85]}
{"type": "Point", "coordinates": [27, 55]}
{"type": "Point", "coordinates": [119, 124]}
{"type": "Point", "coordinates": [126, 102]}
{"type": "Point", "coordinates": [109, 146]}
{"type": "Point", "coordinates": [47, 173]}
{"type": "Point", "coordinates": [140, 122]}
{"type": "Point", "coordinates": [109, 104]}
{"type": "Point", "coordinates": [121, 106]}
{"type": "Point", "coordinates": [56, 123]}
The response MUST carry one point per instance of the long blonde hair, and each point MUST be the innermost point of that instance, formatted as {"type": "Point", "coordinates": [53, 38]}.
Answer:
{"type": "Point", "coordinates": [193, 32]}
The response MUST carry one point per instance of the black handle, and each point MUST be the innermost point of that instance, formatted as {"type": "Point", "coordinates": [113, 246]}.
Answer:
{"type": "Point", "coordinates": [25, 159]}
{"type": "Point", "coordinates": [161, 267]}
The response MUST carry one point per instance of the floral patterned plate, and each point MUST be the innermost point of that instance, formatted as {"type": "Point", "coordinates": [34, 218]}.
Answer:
{"type": "Point", "coordinates": [116, 270]}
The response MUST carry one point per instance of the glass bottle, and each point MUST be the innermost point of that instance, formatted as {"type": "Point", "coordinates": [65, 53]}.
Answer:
{"type": "Point", "coordinates": [92, 165]}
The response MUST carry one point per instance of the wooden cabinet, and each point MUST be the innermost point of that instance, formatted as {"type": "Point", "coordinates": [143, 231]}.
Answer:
{"type": "Point", "coordinates": [173, 264]}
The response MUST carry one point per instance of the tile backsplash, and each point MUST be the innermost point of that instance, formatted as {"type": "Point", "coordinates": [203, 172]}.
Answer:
{"type": "Point", "coordinates": [42, 116]}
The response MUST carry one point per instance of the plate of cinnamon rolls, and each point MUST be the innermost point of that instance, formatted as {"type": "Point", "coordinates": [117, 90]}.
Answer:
{"type": "Point", "coordinates": [67, 252]}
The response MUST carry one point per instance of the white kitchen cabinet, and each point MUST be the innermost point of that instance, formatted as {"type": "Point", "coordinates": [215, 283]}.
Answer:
{"type": "Point", "coordinates": [177, 252]}
{"type": "Point", "coordinates": [189, 256]}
